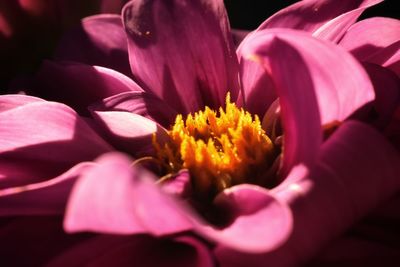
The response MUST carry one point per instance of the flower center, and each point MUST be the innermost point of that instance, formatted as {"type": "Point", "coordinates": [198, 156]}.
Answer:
{"type": "Point", "coordinates": [220, 149]}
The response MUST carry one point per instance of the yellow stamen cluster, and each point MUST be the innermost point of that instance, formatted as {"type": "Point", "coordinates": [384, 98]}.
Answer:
{"type": "Point", "coordinates": [219, 150]}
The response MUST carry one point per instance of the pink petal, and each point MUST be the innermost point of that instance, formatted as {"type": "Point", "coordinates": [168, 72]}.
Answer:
{"type": "Point", "coordinates": [330, 198]}
{"type": "Point", "coordinates": [130, 132]}
{"type": "Point", "coordinates": [325, 19]}
{"type": "Point", "coordinates": [14, 101]}
{"type": "Point", "coordinates": [142, 103]}
{"type": "Point", "coordinates": [33, 136]}
{"type": "Point", "coordinates": [196, 67]}
{"type": "Point", "coordinates": [99, 40]}
{"type": "Point", "coordinates": [370, 36]}
{"type": "Point", "coordinates": [180, 185]}
{"type": "Point", "coordinates": [80, 85]}
{"type": "Point", "coordinates": [130, 205]}
{"type": "Point", "coordinates": [45, 198]}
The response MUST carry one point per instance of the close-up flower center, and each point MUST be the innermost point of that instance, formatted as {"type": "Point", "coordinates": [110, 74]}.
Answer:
{"type": "Point", "coordinates": [220, 149]}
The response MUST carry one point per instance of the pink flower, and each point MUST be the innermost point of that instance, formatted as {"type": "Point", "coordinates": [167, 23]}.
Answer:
{"type": "Point", "coordinates": [327, 183]}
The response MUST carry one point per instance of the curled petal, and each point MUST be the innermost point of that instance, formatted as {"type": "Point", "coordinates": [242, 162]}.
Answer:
{"type": "Point", "coordinates": [80, 85]}
{"type": "Point", "coordinates": [34, 134]}
{"type": "Point", "coordinates": [196, 67]}
{"type": "Point", "coordinates": [313, 94]}
{"type": "Point", "coordinates": [257, 215]}
{"type": "Point", "coordinates": [99, 40]}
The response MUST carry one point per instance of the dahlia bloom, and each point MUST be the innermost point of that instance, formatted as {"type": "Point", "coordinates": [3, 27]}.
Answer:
{"type": "Point", "coordinates": [301, 168]}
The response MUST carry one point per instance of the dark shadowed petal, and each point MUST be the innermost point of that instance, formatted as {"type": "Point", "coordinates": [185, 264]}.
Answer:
{"type": "Point", "coordinates": [387, 90]}
{"type": "Point", "coordinates": [142, 103]}
{"type": "Point", "coordinates": [389, 57]}
{"type": "Point", "coordinates": [257, 86]}
{"type": "Point", "coordinates": [80, 85]}
{"type": "Point", "coordinates": [182, 51]}
{"type": "Point", "coordinates": [99, 40]}
{"type": "Point", "coordinates": [370, 36]}
{"type": "Point", "coordinates": [325, 19]}
{"type": "Point", "coordinates": [41, 140]}
{"type": "Point", "coordinates": [358, 170]}
{"type": "Point", "coordinates": [129, 132]}
{"type": "Point", "coordinates": [34, 240]}
{"type": "Point", "coordinates": [112, 6]}
{"type": "Point", "coordinates": [45, 198]}
{"type": "Point", "coordinates": [310, 93]}
{"type": "Point", "coordinates": [122, 200]}
{"type": "Point", "coordinates": [138, 250]}
{"type": "Point", "coordinates": [238, 36]}
{"type": "Point", "coordinates": [357, 252]}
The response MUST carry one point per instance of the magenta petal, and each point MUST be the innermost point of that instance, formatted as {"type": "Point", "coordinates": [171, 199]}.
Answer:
{"type": "Point", "coordinates": [130, 132]}
{"type": "Point", "coordinates": [370, 36]}
{"type": "Point", "coordinates": [196, 67]}
{"type": "Point", "coordinates": [45, 198]}
{"type": "Point", "coordinates": [259, 221]}
{"type": "Point", "coordinates": [326, 19]}
{"type": "Point", "coordinates": [142, 103]}
{"type": "Point", "coordinates": [80, 85]}
{"type": "Point", "coordinates": [33, 136]}
{"type": "Point", "coordinates": [100, 40]}
{"type": "Point", "coordinates": [134, 203]}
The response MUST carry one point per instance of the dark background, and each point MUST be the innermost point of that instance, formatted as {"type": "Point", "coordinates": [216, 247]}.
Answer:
{"type": "Point", "coordinates": [249, 14]}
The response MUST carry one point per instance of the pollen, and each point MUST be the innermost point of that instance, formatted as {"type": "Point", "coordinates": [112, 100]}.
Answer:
{"type": "Point", "coordinates": [219, 148]}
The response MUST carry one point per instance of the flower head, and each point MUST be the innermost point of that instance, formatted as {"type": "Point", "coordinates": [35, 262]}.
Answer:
{"type": "Point", "coordinates": [235, 140]}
